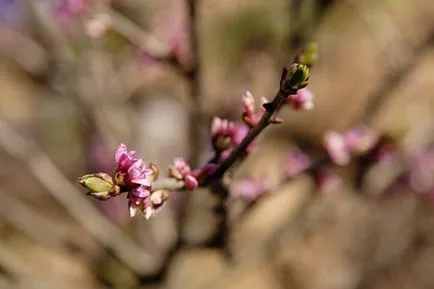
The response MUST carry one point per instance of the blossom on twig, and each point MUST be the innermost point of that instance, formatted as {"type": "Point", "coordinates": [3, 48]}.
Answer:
{"type": "Point", "coordinates": [181, 170]}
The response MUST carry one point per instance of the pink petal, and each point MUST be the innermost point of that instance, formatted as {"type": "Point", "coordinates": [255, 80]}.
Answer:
{"type": "Point", "coordinates": [121, 150]}
{"type": "Point", "coordinates": [191, 182]}
{"type": "Point", "coordinates": [143, 182]}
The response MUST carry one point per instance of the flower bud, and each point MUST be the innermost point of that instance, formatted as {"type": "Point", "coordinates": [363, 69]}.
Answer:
{"type": "Point", "coordinates": [191, 182]}
{"type": "Point", "coordinates": [296, 77]}
{"type": "Point", "coordinates": [158, 197]}
{"type": "Point", "coordinates": [99, 185]}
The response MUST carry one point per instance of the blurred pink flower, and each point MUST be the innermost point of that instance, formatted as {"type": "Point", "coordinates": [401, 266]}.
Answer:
{"type": "Point", "coordinates": [303, 99]}
{"type": "Point", "coordinates": [335, 145]}
{"type": "Point", "coordinates": [360, 139]}
{"type": "Point", "coordinates": [328, 182]}
{"type": "Point", "coordinates": [139, 200]}
{"type": "Point", "coordinates": [296, 163]}
{"type": "Point", "coordinates": [247, 189]}
{"type": "Point", "coordinates": [251, 116]}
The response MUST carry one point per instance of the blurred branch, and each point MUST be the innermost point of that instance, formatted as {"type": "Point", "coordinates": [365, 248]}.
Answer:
{"type": "Point", "coordinates": [6, 284]}
{"type": "Point", "coordinates": [167, 183]}
{"type": "Point", "coordinates": [384, 91]}
{"type": "Point", "coordinates": [74, 201]}
{"type": "Point", "coordinates": [194, 78]}
{"type": "Point", "coordinates": [20, 269]}
{"type": "Point", "coordinates": [35, 225]}
{"type": "Point", "coordinates": [149, 44]}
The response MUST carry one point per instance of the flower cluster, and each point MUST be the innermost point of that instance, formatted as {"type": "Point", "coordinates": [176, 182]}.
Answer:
{"type": "Point", "coordinates": [133, 177]}
{"type": "Point", "coordinates": [251, 116]}
{"type": "Point", "coordinates": [226, 135]}
{"type": "Point", "coordinates": [181, 170]}
{"type": "Point", "coordinates": [357, 140]}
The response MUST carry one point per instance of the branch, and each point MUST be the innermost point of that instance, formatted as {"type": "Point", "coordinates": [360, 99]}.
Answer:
{"type": "Point", "coordinates": [383, 93]}
{"type": "Point", "coordinates": [35, 225]}
{"type": "Point", "coordinates": [168, 183]}
{"type": "Point", "coordinates": [149, 44]}
{"type": "Point", "coordinates": [253, 133]}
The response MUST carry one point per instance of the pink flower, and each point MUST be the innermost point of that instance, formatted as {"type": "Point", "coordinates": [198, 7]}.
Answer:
{"type": "Point", "coordinates": [296, 163]}
{"type": "Point", "coordinates": [247, 189]}
{"type": "Point", "coordinates": [181, 170]}
{"type": "Point", "coordinates": [360, 139]}
{"type": "Point", "coordinates": [328, 182]}
{"type": "Point", "coordinates": [335, 145]}
{"type": "Point", "coordinates": [303, 99]}
{"type": "Point", "coordinates": [139, 200]}
{"type": "Point", "coordinates": [132, 171]}
{"type": "Point", "coordinates": [222, 127]}
{"type": "Point", "coordinates": [251, 117]}
{"type": "Point", "coordinates": [248, 103]}
{"type": "Point", "coordinates": [222, 132]}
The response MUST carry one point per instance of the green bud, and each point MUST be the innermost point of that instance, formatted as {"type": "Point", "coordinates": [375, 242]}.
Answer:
{"type": "Point", "coordinates": [222, 143]}
{"type": "Point", "coordinates": [297, 77]}
{"type": "Point", "coordinates": [99, 185]}
{"type": "Point", "coordinates": [309, 55]}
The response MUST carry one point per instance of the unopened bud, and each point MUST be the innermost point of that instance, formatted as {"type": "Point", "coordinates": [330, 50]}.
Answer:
{"type": "Point", "coordinates": [99, 185]}
{"type": "Point", "coordinates": [158, 197]}
{"type": "Point", "coordinates": [222, 143]}
{"type": "Point", "coordinates": [174, 172]}
{"type": "Point", "coordinates": [296, 77]}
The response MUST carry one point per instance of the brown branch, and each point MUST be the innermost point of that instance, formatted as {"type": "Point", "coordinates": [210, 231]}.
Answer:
{"type": "Point", "coordinates": [384, 91]}
{"type": "Point", "coordinates": [253, 133]}
{"type": "Point", "coordinates": [168, 183]}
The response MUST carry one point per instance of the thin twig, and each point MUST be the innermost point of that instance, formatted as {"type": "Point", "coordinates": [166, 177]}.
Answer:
{"type": "Point", "coordinates": [167, 183]}
{"type": "Point", "coordinates": [74, 201]}
{"type": "Point", "coordinates": [194, 79]}
{"type": "Point", "coordinates": [35, 225]}
{"type": "Point", "coordinates": [25, 274]}
{"type": "Point", "coordinates": [148, 43]}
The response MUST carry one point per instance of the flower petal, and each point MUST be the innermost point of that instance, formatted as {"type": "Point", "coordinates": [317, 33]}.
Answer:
{"type": "Point", "coordinates": [121, 150]}
{"type": "Point", "coordinates": [143, 182]}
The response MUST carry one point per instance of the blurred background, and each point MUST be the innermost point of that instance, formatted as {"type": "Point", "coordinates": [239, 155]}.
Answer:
{"type": "Point", "coordinates": [79, 77]}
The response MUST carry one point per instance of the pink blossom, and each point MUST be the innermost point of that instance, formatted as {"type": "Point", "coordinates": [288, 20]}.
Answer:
{"type": "Point", "coordinates": [248, 103]}
{"type": "Point", "coordinates": [222, 127]}
{"type": "Point", "coordinates": [139, 200]}
{"type": "Point", "coordinates": [328, 182]}
{"type": "Point", "coordinates": [181, 170]}
{"type": "Point", "coordinates": [131, 171]}
{"type": "Point", "coordinates": [303, 99]}
{"type": "Point", "coordinates": [336, 147]}
{"type": "Point", "coordinates": [247, 189]}
{"type": "Point", "coordinates": [360, 139]}
{"type": "Point", "coordinates": [191, 182]}
{"type": "Point", "coordinates": [297, 162]}
{"type": "Point", "coordinates": [251, 116]}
